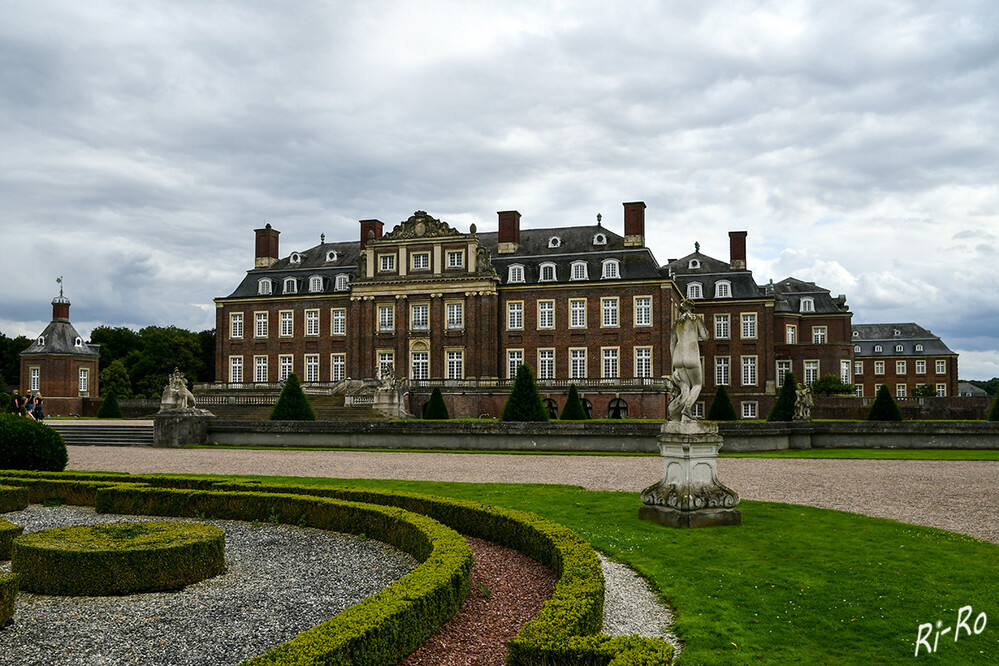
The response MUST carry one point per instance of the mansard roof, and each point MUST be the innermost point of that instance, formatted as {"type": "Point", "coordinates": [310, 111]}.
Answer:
{"type": "Point", "coordinates": [708, 271]}
{"type": "Point", "coordinates": [890, 336]}
{"type": "Point", "coordinates": [60, 337]}
{"type": "Point", "coordinates": [312, 261]}
{"type": "Point", "coordinates": [790, 291]}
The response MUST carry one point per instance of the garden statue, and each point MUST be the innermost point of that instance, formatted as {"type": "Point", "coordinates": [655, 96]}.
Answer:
{"type": "Point", "coordinates": [176, 394]}
{"type": "Point", "coordinates": [686, 380]}
{"type": "Point", "coordinates": [179, 422]}
{"type": "Point", "coordinates": [803, 403]}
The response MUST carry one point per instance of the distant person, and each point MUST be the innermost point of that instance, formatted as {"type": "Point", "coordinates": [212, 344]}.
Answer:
{"type": "Point", "coordinates": [37, 411]}
{"type": "Point", "coordinates": [19, 402]}
{"type": "Point", "coordinates": [29, 405]}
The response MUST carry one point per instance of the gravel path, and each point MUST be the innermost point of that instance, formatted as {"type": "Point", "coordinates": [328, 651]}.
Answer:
{"type": "Point", "coordinates": [952, 495]}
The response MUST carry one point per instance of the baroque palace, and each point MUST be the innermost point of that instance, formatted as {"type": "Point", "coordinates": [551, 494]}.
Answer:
{"type": "Point", "coordinates": [435, 307]}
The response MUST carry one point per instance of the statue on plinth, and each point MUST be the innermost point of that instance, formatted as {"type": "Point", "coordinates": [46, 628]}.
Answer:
{"type": "Point", "coordinates": [176, 395]}
{"type": "Point", "coordinates": [179, 422]}
{"type": "Point", "coordinates": [689, 494]}
{"type": "Point", "coordinates": [803, 402]}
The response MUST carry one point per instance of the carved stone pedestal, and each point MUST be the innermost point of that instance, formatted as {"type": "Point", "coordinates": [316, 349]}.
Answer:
{"type": "Point", "coordinates": [173, 428]}
{"type": "Point", "coordinates": [690, 494]}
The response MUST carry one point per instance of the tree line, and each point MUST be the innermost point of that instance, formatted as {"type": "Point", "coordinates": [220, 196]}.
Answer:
{"type": "Point", "coordinates": [133, 363]}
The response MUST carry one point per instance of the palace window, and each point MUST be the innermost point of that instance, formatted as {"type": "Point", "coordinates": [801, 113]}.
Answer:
{"type": "Point", "coordinates": [386, 364]}
{"type": "Point", "coordinates": [235, 369]}
{"type": "Point", "coordinates": [514, 359]}
{"type": "Point", "coordinates": [811, 372]}
{"type": "Point", "coordinates": [515, 273]}
{"type": "Point", "coordinates": [749, 410]}
{"type": "Point", "coordinates": [287, 323]}
{"type": "Point", "coordinates": [515, 315]}
{"type": "Point", "coordinates": [236, 325]}
{"type": "Point", "coordinates": [421, 261]}
{"type": "Point", "coordinates": [900, 367]}
{"type": "Point", "coordinates": [577, 364]}
{"type": "Point", "coordinates": [338, 367]}
{"type": "Point", "coordinates": [877, 349]}
{"type": "Point", "coordinates": [844, 371]}
{"type": "Point", "coordinates": [818, 335]}
{"type": "Point", "coordinates": [643, 311]}
{"type": "Point", "coordinates": [342, 282]}
{"type": "Point", "coordinates": [941, 367]}
{"type": "Point", "coordinates": [84, 380]}
{"type": "Point", "coordinates": [693, 264]}
{"type": "Point", "coordinates": [723, 289]}
{"type": "Point", "coordinates": [941, 390]}
{"type": "Point", "coordinates": [455, 259]}
{"type": "Point", "coordinates": [420, 317]}
{"type": "Point", "coordinates": [554, 241]}
{"type": "Point", "coordinates": [312, 322]}
{"type": "Point", "coordinates": [898, 349]}
{"type": "Point", "coordinates": [264, 287]}
{"type": "Point", "coordinates": [331, 256]}
{"type": "Point", "coordinates": [455, 316]}
{"type": "Point", "coordinates": [290, 286]}
{"type": "Point", "coordinates": [386, 318]}
{"type": "Point", "coordinates": [920, 367]}
{"type": "Point", "coordinates": [286, 363]}
{"type": "Point", "coordinates": [749, 371]}
{"type": "Point", "coordinates": [547, 272]}
{"type": "Point", "coordinates": [722, 326]}
{"type": "Point", "coordinates": [900, 390]}
{"type": "Point", "coordinates": [546, 364]}
{"type": "Point", "coordinates": [807, 304]}
{"type": "Point", "coordinates": [420, 365]}
{"type": "Point", "coordinates": [608, 307]}
{"type": "Point", "coordinates": [546, 314]}
{"type": "Point", "coordinates": [879, 367]}
{"type": "Point", "coordinates": [35, 380]}
{"type": "Point", "coordinates": [858, 367]}
{"type": "Point", "coordinates": [386, 263]}
{"type": "Point", "coordinates": [749, 325]}
{"type": "Point", "coordinates": [722, 370]}
{"type": "Point", "coordinates": [260, 369]}
{"type": "Point", "coordinates": [611, 269]}
{"type": "Point", "coordinates": [312, 367]}
{"type": "Point", "coordinates": [791, 334]}
{"type": "Point", "coordinates": [339, 321]}
{"type": "Point", "coordinates": [600, 239]}
{"type": "Point", "coordinates": [577, 313]}
{"type": "Point", "coordinates": [609, 368]}
{"type": "Point", "coordinates": [455, 364]}
{"type": "Point", "coordinates": [295, 258]}
{"type": "Point", "coordinates": [579, 270]}
{"type": "Point", "coordinates": [315, 284]}
{"type": "Point", "coordinates": [261, 327]}
{"type": "Point", "coordinates": [919, 347]}
{"type": "Point", "coordinates": [856, 349]}
{"type": "Point", "coordinates": [643, 361]}
{"type": "Point", "coordinates": [694, 290]}
{"type": "Point", "coordinates": [783, 367]}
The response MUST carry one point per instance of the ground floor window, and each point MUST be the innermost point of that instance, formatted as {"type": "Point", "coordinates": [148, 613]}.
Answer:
{"type": "Point", "coordinates": [455, 364]}
{"type": "Point", "coordinates": [617, 409]}
{"type": "Point", "coordinates": [749, 410]}
{"type": "Point", "coordinates": [811, 372]}
{"type": "Point", "coordinates": [420, 366]}
{"type": "Point", "coordinates": [260, 369]}
{"type": "Point", "coordinates": [514, 359]}
{"type": "Point", "coordinates": [236, 369]}
{"type": "Point", "coordinates": [338, 367]}
{"type": "Point", "coordinates": [312, 367]}
{"type": "Point", "coordinates": [287, 364]}
{"type": "Point", "coordinates": [35, 379]}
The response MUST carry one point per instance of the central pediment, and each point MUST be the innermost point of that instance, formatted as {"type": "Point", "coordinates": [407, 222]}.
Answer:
{"type": "Point", "coordinates": [421, 225]}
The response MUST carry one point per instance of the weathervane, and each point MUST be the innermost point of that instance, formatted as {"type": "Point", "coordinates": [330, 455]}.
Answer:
{"type": "Point", "coordinates": [322, 238]}
{"type": "Point", "coordinates": [697, 246]}
{"type": "Point", "coordinates": [59, 282]}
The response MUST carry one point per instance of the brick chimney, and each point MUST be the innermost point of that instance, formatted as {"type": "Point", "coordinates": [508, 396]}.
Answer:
{"type": "Point", "coordinates": [369, 228]}
{"type": "Point", "coordinates": [737, 250]}
{"type": "Point", "coordinates": [634, 224]}
{"type": "Point", "coordinates": [509, 231]}
{"type": "Point", "coordinates": [267, 246]}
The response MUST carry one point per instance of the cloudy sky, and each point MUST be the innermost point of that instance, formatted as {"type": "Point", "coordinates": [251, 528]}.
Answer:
{"type": "Point", "coordinates": [141, 143]}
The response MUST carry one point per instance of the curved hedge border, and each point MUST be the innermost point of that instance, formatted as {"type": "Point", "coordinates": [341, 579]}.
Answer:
{"type": "Point", "coordinates": [8, 532]}
{"type": "Point", "coordinates": [564, 632]}
{"type": "Point", "coordinates": [8, 592]}
{"type": "Point", "coordinates": [118, 558]}
{"type": "Point", "coordinates": [13, 498]}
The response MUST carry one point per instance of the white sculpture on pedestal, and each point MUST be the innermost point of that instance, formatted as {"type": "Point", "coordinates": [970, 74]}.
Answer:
{"type": "Point", "coordinates": [686, 379]}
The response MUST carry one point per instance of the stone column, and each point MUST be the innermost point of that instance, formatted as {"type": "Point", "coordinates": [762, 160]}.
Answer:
{"type": "Point", "coordinates": [690, 495]}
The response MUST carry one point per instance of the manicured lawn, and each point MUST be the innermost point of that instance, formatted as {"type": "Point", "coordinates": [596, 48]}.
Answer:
{"type": "Point", "coordinates": [875, 454]}
{"type": "Point", "coordinates": [792, 585]}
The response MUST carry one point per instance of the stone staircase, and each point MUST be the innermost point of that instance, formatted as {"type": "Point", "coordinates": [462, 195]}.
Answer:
{"type": "Point", "coordinates": [104, 433]}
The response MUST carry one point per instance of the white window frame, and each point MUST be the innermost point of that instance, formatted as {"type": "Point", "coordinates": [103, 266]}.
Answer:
{"type": "Point", "coordinates": [287, 319]}
{"type": "Point", "coordinates": [547, 272]}
{"type": "Point", "coordinates": [35, 378]}
{"type": "Point", "coordinates": [515, 274]}
{"type": "Point", "coordinates": [312, 323]}
{"type": "Point", "coordinates": [610, 362]}
{"type": "Point", "coordinates": [642, 307]}
{"type": "Point", "coordinates": [820, 334]}
{"type": "Point", "coordinates": [577, 313]}
{"type": "Point", "coordinates": [723, 289]}
{"type": "Point", "coordinates": [899, 349]}
{"type": "Point", "coordinates": [289, 286]}
{"type": "Point", "coordinates": [610, 307]}
{"type": "Point", "coordinates": [577, 363]}
{"type": "Point", "coordinates": [807, 304]}
{"type": "Point", "coordinates": [791, 334]}
{"type": "Point", "coordinates": [920, 367]}
{"type": "Point", "coordinates": [455, 258]}
{"type": "Point", "coordinates": [286, 366]}
{"type": "Point", "coordinates": [643, 362]}
{"type": "Point", "coordinates": [338, 367]}
{"type": "Point", "coordinates": [546, 364]}
{"type": "Point", "coordinates": [879, 367]}
{"type": "Point", "coordinates": [901, 367]}
{"type": "Point", "coordinates": [749, 370]}
{"type": "Point", "coordinates": [514, 359]}
{"type": "Point", "coordinates": [419, 365]}
{"type": "Point", "coordinates": [811, 371]}
{"type": "Point", "coordinates": [236, 369]}
{"type": "Point", "coordinates": [236, 325]}
{"type": "Point", "coordinates": [342, 282]}
{"type": "Point", "coordinates": [338, 321]}
{"type": "Point", "coordinates": [515, 316]}
{"type": "Point", "coordinates": [748, 330]}
{"type": "Point", "coordinates": [858, 367]}
{"type": "Point", "coordinates": [315, 284]}
{"type": "Point", "coordinates": [419, 317]}
{"type": "Point", "coordinates": [750, 409]}
{"type": "Point", "coordinates": [265, 287]}
{"type": "Point", "coordinates": [419, 261]}
{"type": "Point", "coordinates": [901, 391]}
{"type": "Point", "coordinates": [84, 380]}
{"type": "Point", "coordinates": [782, 367]}
{"type": "Point", "coordinates": [844, 371]}
{"type": "Point", "coordinates": [941, 390]}
{"type": "Point", "coordinates": [610, 269]}
{"type": "Point", "coordinates": [260, 369]}
{"type": "Point", "coordinates": [386, 362]}
{"type": "Point", "coordinates": [579, 271]}
{"type": "Point", "coordinates": [723, 326]}
{"type": "Point", "coordinates": [723, 374]}
{"type": "Point", "coordinates": [261, 324]}
{"type": "Point", "coordinates": [940, 366]}
{"type": "Point", "coordinates": [386, 263]}
{"type": "Point", "coordinates": [695, 291]}
{"type": "Point", "coordinates": [454, 364]}
{"type": "Point", "coordinates": [546, 314]}
{"type": "Point", "coordinates": [455, 316]}
{"type": "Point", "coordinates": [312, 368]}
{"type": "Point", "coordinates": [386, 317]}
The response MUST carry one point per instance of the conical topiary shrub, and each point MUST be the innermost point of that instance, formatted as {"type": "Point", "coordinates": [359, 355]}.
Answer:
{"type": "Point", "coordinates": [436, 409]}
{"type": "Point", "coordinates": [110, 408]}
{"type": "Point", "coordinates": [721, 407]}
{"type": "Point", "coordinates": [784, 407]}
{"type": "Point", "coordinates": [884, 407]}
{"type": "Point", "coordinates": [573, 410]}
{"type": "Point", "coordinates": [994, 412]}
{"type": "Point", "coordinates": [524, 403]}
{"type": "Point", "coordinates": [292, 405]}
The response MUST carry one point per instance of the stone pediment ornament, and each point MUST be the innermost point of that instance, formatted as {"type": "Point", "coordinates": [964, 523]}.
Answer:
{"type": "Point", "coordinates": [484, 263]}
{"type": "Point", "coordinates": [421, 225]}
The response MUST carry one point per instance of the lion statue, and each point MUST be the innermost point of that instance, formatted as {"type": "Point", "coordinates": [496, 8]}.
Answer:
{"type": "Point", "coordinates": [176, 394]}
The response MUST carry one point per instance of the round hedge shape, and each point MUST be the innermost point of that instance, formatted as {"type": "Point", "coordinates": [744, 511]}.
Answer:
{"type": "Point", "coordinates": [117, 558]}
{"type": "Point", "coordinates": [28, 444]}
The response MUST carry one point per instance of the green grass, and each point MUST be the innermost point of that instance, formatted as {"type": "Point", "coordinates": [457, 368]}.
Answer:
{"type": "Point", "coordinates": [792, 585]}
{"type": "Point", "coordinates": [874, 454]}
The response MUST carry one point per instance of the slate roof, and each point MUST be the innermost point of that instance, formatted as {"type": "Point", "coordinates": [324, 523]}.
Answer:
{"type": "Point", "coordinates": [59, 337]}
{"type": "Point", "coordinates": [710, 271]}
{"type": "Point", "coordinates": [866, 336]}
{"type": "Point", "coordinates": [789, 292]}
{"type": "Point", "coordinates": [311, 262]}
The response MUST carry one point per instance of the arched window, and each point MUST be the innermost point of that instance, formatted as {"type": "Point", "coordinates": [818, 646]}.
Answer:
{"type": "Point", "coordinates": [617, 409]}
{"type": "Point", "coordinates": [515, 273]}
{"type": "Point", "coordinates": [600, 239]}
{"type": "Point", "coordinates": [554, 241]}
{"type": "Point", "coordinates": [290, 285]}
{"type": "Point", "coordinates": [877, 349]}
{"type": "Point", "coordinates": [694, 290]}
{"type": "Point", "coordinates": [898, 348]}
{"type": "Point", "coordinates": [41, 340]}
{"type": "Point", "coordinates": [723, 289]}
{"type": "Point", "coordinates": [587, 407]}
{"type": "Point", "coordinates": [611, 269]}
{"type": "Point", "coordinates": [807, 304]}
{"type": "Point", "coordinates": [78, 342]}
{"type": "Point", "coordinates": [856, 349]}
{"type": "Point", "coordinates": [552, 408]}
{"type": "Point", "coordinates": [295, 258]}
{"type": "Point", "coordinates": [264, 286]}
{"type": "Point", "coordinates": [315, 284]}
{"type": "Point", "coordinates": [919, 348]}
{"type": "Point", "coordinates": [694, 264]}
{"type": "Point", "coordinates": [331, 255]}
{"type": "Point", "coordinates": [341, 282]}
{"type": "Point", "coordinates": [548, 272]}
{"type": "Point", "coordinates": [579, 270]}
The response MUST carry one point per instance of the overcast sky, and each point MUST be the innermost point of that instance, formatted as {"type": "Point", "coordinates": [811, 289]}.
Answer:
{"type": "Point", "coordinates": [141, 143]}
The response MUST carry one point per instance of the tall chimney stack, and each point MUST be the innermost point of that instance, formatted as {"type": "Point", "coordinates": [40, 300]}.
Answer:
{"type": "Point", "coordinates": [737, 250]}
{"type": "Point", "coordinates": [370, 228]}
{"type": "Point", "coordinates": [634, 224]}
{"type": "Point", "coordinates": [267, 246]}
{"type": "Point", "coordinates": [509, 232]}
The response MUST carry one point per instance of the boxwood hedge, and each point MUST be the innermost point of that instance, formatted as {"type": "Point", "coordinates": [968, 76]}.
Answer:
{"type": "Point", "coordinates": [13, 498]}
{"type": "Point", "coordinates": [8, 592]}
{"type": "Point", "coordinates": [8, 532]}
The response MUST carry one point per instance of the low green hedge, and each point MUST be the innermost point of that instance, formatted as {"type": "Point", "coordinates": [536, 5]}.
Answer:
{"type": "Point", "coordinates": [8, 532]}
{"type": "Point", "coordinates": [382, 629]}
{"type": "Point", "coordinates": [8, 592]}
{"type": "Point", "coordinates": [118, 558]}
{"type": "Point", "coordinates": [13, 498]}
{"type": "Point", "coordinates": [28, 444]}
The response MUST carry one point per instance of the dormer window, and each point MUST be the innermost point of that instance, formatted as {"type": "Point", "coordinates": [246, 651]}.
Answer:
{"type": "Point", "coordinates": [331, 255]}
{"type": "Point", "coordinates": [808, 304]}
{"type": "Point", "coordinates": [78, 342]}
{"type": "Point", "coordinates": [341, 282]}
{"type": "Point", "coordinates": [554, 241]}
{"type": "Point", "coordinates": [295, 258]}
{"type": "Point", "coordinates": [856, 349]}
{"type": "Point", "coordinates": [877, 349]}
{"type": "Point", "coordinates": [386, 263]}
{"type": "Point", "coordinates": [264, 286]}
{"type": "Point", "coordinates": [290, 285]}
{"type": "Point", "coordinates": [315, 284]}
{"type": "Point", "coordinates": [723, 289]}
{"type": "Point", "coordinates": [600, 239]}
{"type": "Point", "coordinates": [693, 264]}
{"type": "Point", "coordinates": [579, 270]}
{"type": "Point", "coordinates": [919, 348]}
{"type": "Point", "coordinates": [897, 333]}
{"type": "Point", "coordinates": [611, 269]}
{"type": "Point", "coordinates": [694, 290]}
{"type": "Point", "coordinates": [41, 340]}
{"type": "Point", "coordinates": [515, 273]}
{"type": "Point", "coordinates": [548, 273]}
{"type": "Point", "coordinates": [856, 334]}
{"type": "Point", "coordinates": [898, 349]}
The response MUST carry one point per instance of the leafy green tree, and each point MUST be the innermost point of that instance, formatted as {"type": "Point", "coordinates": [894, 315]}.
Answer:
{"type": "Point", "coordinates": [292, 405]}
{"type": "Point", "coordinates": [207, 341]}
{"type": "Point", "coordinates": [721, 407]}
{"type": "Point", "coordinates": [994, 412]}
{"type": "Point", "coordinates": [10, 357]}
{"type": "Point", "coordinates": [524, 403]}
{"type": "Point", "coordinates": [925, 391]}
{"type": "Point", "coordinates": [163, 349]}
{"type": "Point", "coordinates": [110, 408]}
{"type": "Point", "coordinates": [884, 407]}
{"type": "Point", "coordinates": [830, 384]}
{"type": "Point", "coordinates": [573, 410]}
{"type": "Point", "coordinates": [115, 379]}
{"type": "Point", "coordinates": [990, 386]}
{"type": "Point", "coordinates": [783, 409]}
{"type": "Point", "coordinates": [436, 409]}
{"type": "Point", "coordinates": [116, 342]}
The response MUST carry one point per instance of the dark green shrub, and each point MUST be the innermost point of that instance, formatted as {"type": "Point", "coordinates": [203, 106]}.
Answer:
{"type": "Point", "coordinates": [117, 558]}
{"type": "Point", "coordinates": [783, 409]}
{"type": "Point", "coordinates": [8, 532]}
{"type": "Point", "coordinates": [115, 378]}
{"type": "Point", "coordinates": [830, 384]}
{"type": "Point", "coordinates": [524, 403]}
{"type": "Point", "coordinates": [994, 412]}
{"type": "Point", "coordinates": [28, 444]}
{"type": "Point", "coordinates": [436, 409]}
{"type": "Point", "coordinates": [884, 407]}
{"type": "Point", "coordinates": [721, 407]}
{"type": "Point", "coordinates": [924, 391]}
{"type": "Point", "coordinates": [8, 592]}
{"type": "Point", "coordinates": [292, 405]}
{"type": "Point", "coordinates": [109, 408]}
{"type": "Point", "coordinates": [573, 410]}
{"type": "Point", "coordinates": [6, 401]}
{"type": "Point", "coordinates": [13, 498]}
